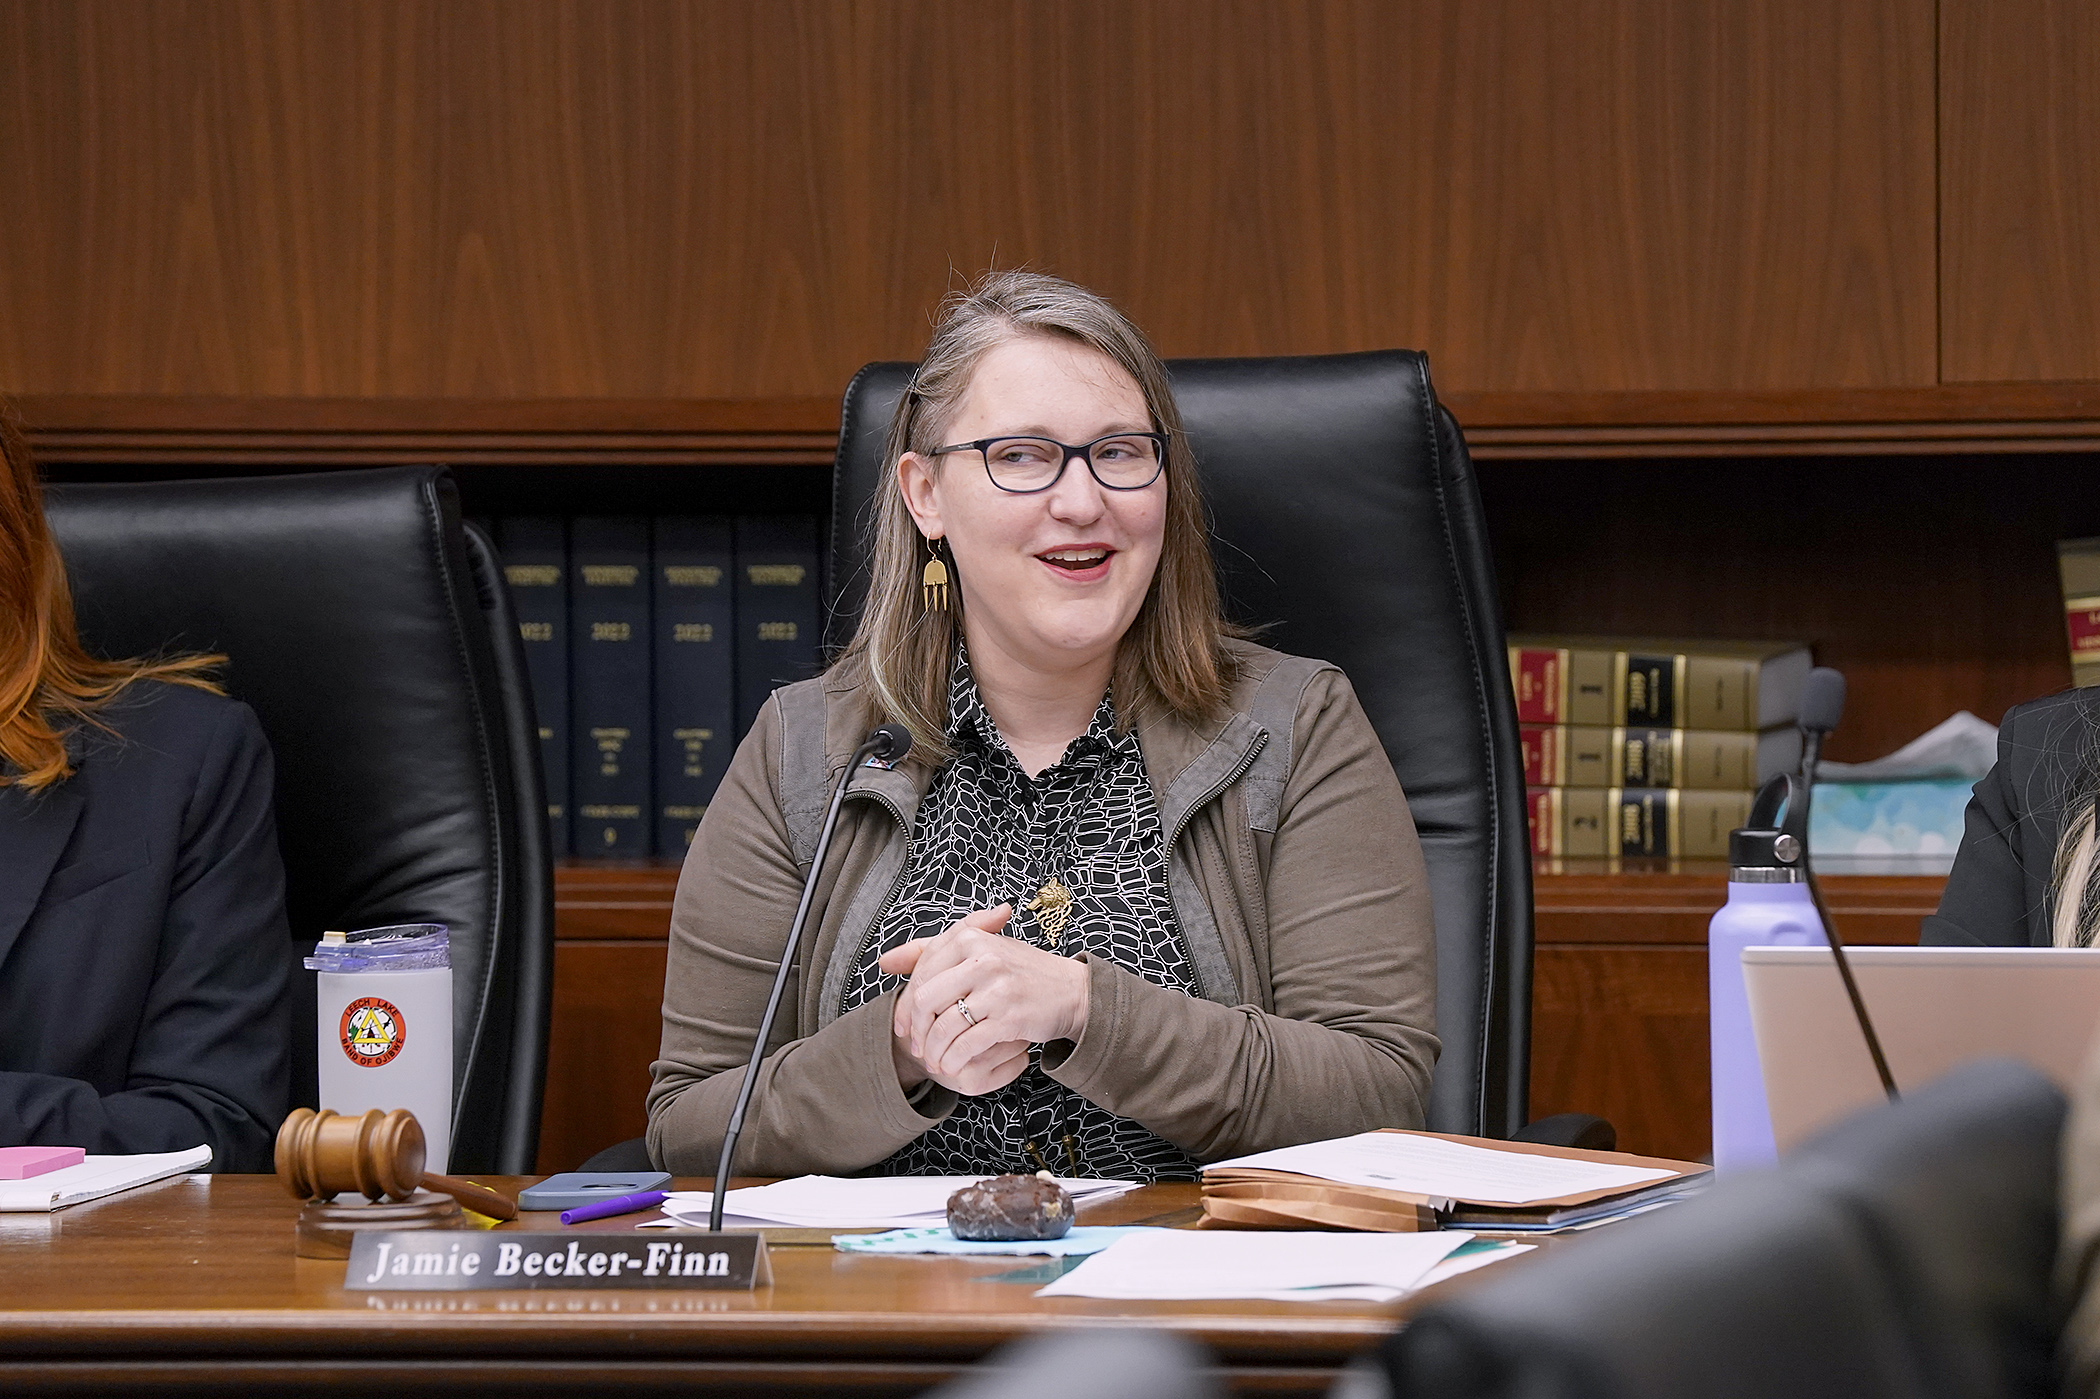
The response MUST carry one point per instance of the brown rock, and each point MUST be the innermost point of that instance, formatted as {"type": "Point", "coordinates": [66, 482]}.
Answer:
{"type": "Point", "coordinates": [1006, 1208]}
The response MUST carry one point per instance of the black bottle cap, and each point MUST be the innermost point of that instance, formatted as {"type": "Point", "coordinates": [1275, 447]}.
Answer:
{"type": "Point", "coordinates": [1763, 844]}
{"type": "Point", "coordinates": [1750, 848]}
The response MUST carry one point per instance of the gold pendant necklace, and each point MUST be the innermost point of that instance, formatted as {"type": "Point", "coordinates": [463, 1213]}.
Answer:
{"type": "Point", "coordinates": [1052, 907]}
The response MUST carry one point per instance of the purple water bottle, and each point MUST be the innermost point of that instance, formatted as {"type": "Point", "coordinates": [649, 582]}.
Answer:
{"type": "Point", "coordinates": [1768, 905]}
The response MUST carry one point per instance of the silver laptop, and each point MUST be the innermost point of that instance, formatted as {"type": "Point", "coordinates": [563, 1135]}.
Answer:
{"type": "Point", "coordinates": [1933, 1007]}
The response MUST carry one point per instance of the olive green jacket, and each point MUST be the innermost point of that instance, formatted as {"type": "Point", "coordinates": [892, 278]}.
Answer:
{"type": "Point", "coordinates": [1297, 883]}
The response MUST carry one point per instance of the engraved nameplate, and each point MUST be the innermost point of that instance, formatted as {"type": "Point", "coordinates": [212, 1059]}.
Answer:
{"type": "Point", "coordinates": [447, 1260]}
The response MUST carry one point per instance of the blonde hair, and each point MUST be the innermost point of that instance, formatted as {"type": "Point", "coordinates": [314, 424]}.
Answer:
{"type": "Point", "coordinates": [2074, 914]}
{"type": "Point", "coordinates": [2074, 876]}
{"type": "Point", "coordinates": [49, 684]}
{"type": "Point", "coordinates": [1174, 658]}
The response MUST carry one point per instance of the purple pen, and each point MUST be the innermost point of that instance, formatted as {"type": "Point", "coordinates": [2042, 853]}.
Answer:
{"type": "Point", "coordinates": [624, 1204]}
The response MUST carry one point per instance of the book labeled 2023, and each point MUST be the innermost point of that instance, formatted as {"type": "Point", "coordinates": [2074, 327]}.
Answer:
{"type": "Point", "coordinates": [1584, 755]}
{"type": "Point", "coordinates": [1660, 683]}
{"type": "Point", "coordinates": [637, 632]}
{"type": "Point", "coordinates": [609, 685]}
{"type": "Point", "coordinates": [1640, 823]}
{"type": "Point", "coordinates": [535, 554]}
{"type": "Point", "coordinates": [778, 610]}
{"type": "Point", "coordinates": [693, 573]}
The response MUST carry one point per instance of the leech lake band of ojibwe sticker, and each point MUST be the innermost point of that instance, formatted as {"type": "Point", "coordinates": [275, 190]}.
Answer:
{"type": "Point", "coordinates": [373, 1031]}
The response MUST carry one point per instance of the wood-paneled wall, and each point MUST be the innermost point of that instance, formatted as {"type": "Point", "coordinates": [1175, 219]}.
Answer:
{"type": "Point", "coordinates": [2020, 189]}
{"type": "Point", "coordinates": [1932, 590]}
{"type": "Point", "coordinates": [676, 198]}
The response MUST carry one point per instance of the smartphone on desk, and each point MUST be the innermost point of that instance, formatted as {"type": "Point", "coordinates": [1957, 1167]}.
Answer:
{"type": "Point", "coordinates": [571, 1189]}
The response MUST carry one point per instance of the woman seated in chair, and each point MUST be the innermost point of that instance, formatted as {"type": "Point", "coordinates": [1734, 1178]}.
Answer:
{"type": "Point", "coordinates": [1142, 895]}
{"type": "Point", "coordinates": [2028, 870]}
{"type": "Point", "coordinates": [144, 983]}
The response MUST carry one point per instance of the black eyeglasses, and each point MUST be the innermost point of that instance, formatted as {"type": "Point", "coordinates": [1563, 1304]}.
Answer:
{"type": "Point", "coordinates": [1121, 461]}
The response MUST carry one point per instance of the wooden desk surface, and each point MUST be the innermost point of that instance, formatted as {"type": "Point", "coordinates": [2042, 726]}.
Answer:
{"type": "Point", "coordinates": [192, 1283]}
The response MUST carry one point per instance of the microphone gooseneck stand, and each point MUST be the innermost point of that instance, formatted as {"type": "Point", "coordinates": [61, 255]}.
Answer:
{"type": "Point", "coordinates": [1823, 700]}
{"type": "Point", "coordinates": [888, 743]}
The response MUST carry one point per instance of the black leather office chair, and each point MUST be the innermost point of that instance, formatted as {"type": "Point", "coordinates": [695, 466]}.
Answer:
{"type": "Point", "coordinates": [1905, 1253]}
{"type": "Point", "coordinates": [1346, 516]}
{"type": "Point", "coordinates": [373, 637]}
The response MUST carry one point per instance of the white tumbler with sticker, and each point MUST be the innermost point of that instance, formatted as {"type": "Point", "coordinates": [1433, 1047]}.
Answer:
{"type": "Point", "coordinates": [385, 1022]}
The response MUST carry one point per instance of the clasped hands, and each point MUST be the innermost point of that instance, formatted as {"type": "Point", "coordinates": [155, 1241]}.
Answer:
{"type": "Point", "coordinates": [1015, 995]}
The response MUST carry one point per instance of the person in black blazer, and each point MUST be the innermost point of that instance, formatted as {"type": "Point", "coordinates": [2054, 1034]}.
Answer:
{"type": "Point", "coordinates": [144, 978]}
{"type": "Point", "coordinates": [2032, 815]}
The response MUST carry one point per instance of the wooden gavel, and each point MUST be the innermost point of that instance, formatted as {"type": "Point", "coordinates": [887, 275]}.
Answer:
{"type": "Point", "coordinates": [379, 1155]}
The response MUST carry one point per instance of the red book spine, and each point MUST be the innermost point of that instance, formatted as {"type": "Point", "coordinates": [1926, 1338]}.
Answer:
{"type": "Point", "coordinates": [1543, 758]}
{"type": "Point", "coordinates": [1541, 810]}
{"type": "Point", "coordinates": [1541, 678]}
{"type": "Point", "coordinates": [2082, 620]}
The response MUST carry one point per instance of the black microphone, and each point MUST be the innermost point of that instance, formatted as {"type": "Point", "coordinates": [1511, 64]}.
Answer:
{"type": "Point", "coordinates": [886, 743]}
{"type": "Point", "coordinates": [1822, 705]}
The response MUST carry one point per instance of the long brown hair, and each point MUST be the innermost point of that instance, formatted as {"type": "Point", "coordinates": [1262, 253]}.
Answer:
{"type": "Point", "coordinates": [49, 684]}
{"type": "Point", "coordinates": [1173, 659]}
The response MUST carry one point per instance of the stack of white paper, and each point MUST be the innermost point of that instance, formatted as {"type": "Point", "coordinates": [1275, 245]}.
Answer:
{"type": "Point", "coordinates": [1278, 1266]}
{"type": "Point", "coordinates": [838, 1202]}
{"type": "Point", "coordinates": [1446, 1170]}
{"type": "Point", "coordinates": [98, 1176]}
{"type": "Point", "coordinates": [1478, 1255]}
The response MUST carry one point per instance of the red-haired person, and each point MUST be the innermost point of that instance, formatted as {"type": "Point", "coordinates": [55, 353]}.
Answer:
{"type": "Point", "coordinates": [144, 972]}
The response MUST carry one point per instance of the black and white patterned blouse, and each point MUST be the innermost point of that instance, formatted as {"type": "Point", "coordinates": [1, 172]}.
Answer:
{"type": "Point", "coordinates": [988, 834]}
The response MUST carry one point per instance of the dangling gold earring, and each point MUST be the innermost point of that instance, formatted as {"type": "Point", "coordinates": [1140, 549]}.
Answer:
{"type": "Point", "coordinates": [933, 583]}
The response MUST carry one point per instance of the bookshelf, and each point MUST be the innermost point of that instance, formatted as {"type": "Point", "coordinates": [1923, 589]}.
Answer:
{"type": "Point", "coordinates": [1908, 533]}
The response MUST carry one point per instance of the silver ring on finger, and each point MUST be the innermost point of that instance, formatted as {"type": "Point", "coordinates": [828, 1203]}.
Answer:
{"type": "Point", "coordinates": [963, 1005]}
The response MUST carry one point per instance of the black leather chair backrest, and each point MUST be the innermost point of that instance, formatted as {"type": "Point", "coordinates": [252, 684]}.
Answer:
{"type": "Point", "coordinates": [1347, 517]}
{"type": "Point", "coordinates": [373, 637]}
{"type": "Point", "coordinates": [1907, 1252]}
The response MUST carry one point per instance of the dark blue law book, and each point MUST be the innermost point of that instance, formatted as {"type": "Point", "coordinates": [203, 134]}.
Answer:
{"type": "Point", "coordinates": [693, 574]}
{"type": "Point", "coordinates": [777, 621]}
{"type": "Point", "coordinates": [535, 553]}
{"type": "Point", "coordinates": [609, 685]}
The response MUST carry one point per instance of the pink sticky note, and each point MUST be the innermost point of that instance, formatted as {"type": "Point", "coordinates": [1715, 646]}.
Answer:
{"type": "Point", "coordinates": [22, 1162]}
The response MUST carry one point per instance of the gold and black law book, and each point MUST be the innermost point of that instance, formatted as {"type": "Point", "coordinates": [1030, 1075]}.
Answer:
{"type": "Point", "coordinates": [1648, 823]}
{"type": "Point", "coordinates": [2078, 561]}
{"type": "Point", "coordinates": [1585, 755]}
{"type": "Point", "coordinates": [1647, 682]}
